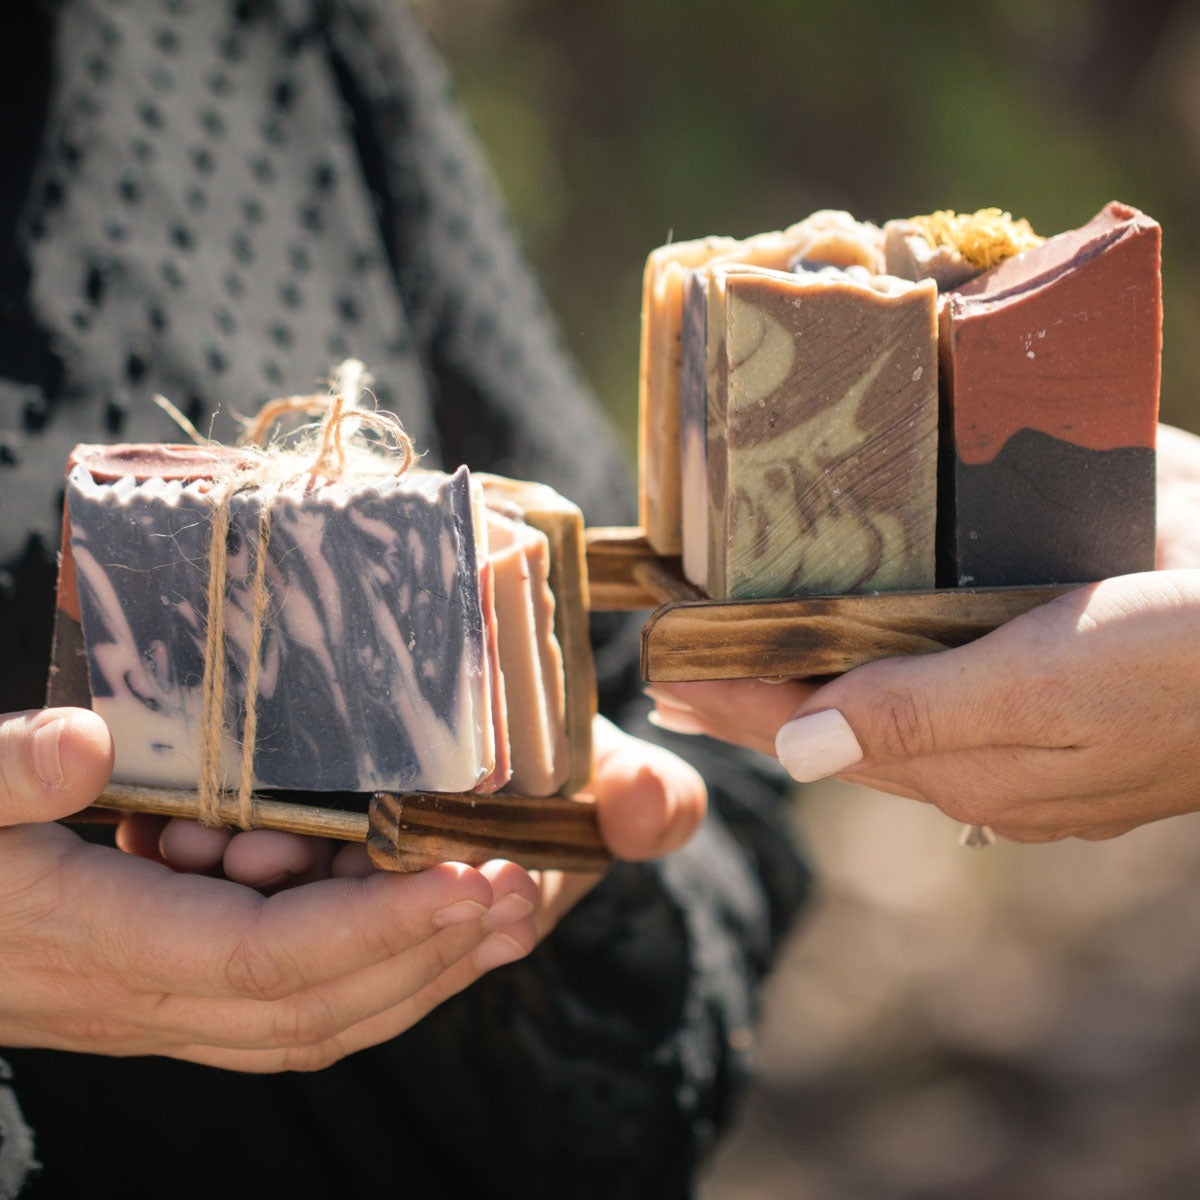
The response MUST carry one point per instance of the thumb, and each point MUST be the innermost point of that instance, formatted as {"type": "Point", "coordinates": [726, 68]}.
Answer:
{"type": "Point", "coordinates": [648, 800]}
{"type": "Point", "coordinates": [53, 762]}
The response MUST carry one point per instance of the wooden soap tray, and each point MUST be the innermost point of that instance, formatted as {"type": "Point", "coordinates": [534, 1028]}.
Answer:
{"type": "Point", "coordinates": [686, 636]}
{"type": "Point", "coordinates": [689, 636]}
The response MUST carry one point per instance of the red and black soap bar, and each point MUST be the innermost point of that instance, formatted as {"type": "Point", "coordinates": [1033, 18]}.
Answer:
{"type": "Point", "coordinates": [1050, 369]}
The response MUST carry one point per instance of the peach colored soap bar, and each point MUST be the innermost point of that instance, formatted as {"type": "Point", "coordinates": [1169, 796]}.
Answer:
{"type": "Point", "coordinates": [530, 658]}
{"type": "Point", "coordinates": [562, 524]}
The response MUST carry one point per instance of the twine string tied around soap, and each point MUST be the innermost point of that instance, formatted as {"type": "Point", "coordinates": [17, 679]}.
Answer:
{"type": "Point", "coordinates": [332, 449]}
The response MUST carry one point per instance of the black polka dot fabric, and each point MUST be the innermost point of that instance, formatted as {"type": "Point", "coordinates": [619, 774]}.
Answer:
{"type": "Point", "coordinates": [217, 201]}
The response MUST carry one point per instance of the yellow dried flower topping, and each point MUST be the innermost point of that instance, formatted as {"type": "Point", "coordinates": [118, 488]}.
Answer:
{"type": "Point", "coordinates": [983, 238]}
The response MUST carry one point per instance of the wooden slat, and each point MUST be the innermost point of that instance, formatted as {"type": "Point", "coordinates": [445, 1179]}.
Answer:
{"type": "Point", "coordinates": [614, 556]}
{"type": "Point", "coordinates": [409, 832]}
{"type": "Point", "coordinates": [268, 813]}
{"type": "Point", "coordinates": [823, 635]}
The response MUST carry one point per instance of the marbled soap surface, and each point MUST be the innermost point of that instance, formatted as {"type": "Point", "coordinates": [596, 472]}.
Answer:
{"type": "Point", "coordinates": [372, 665]}
{"type": "Point", "coordinates": [822, 433]}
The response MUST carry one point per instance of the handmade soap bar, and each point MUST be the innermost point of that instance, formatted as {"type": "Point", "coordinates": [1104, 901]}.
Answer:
{"type": "Point", "coordinates": [530, 657]}
{"type": "Point", "coordinates": [562, 524]}
{"type": "Point", "coordinates": [501, 772]}
{"type": "Point", "coordinates": [827, 238]}
{"type": "Point", "coordinates": [823, 237]}
{"type": "Point", "coordinates": [658, 385]}
{"type": "Point", "coordinates": [1050, 370]}
{"type": "Point", "coordinates": [822, 432]}
{"type": "Point", "coordinates": [373, 658]}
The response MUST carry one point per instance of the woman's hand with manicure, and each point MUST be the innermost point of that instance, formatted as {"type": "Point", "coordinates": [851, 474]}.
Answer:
{"type": "Point", "coordinates": [1079, 718]}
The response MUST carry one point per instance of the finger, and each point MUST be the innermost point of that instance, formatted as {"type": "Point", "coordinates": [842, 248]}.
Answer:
{"type": "Point", "coordinates": [648, 800]}
{"type": "Point", "coordinates": [189, 846]}
{"type": "Point", "coordinates": [516, 894]}
{"type": "Point", "coordinates": [370, 1032]}
{"type": "Point", "coordinates": [139, 834]}
{"type": "Point", "coordinates": [560, 891]}
{"type": "Point", "coordinates": [324, 1012]}
{"type": "Point", "coordinates": [1011, 687]}
{"type": "Point", "coordinates": [1023, 794]}
{"type": "Point", "coordinates": [53, 762]}
{"type": "Point", "coordinates": [208, 937]}
{"type": "Point", "coordinates": [269, 858]}
{"type": "Point", "coordinates": [352, 861]}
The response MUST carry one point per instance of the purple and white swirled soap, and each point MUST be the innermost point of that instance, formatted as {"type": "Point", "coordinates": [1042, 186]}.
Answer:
{"type": "Point", "coordinates": [374, 664]}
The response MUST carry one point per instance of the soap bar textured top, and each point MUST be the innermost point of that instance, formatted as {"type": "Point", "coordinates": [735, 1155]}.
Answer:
{"type": "Point", "coordinates": [1050, 369]}
{"type": "Point", "coordinates": [373, 667]}
{"type": "Point", "coordinates": [822, 432]}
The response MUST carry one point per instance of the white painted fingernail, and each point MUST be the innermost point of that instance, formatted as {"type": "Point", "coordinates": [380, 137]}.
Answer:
{"type": "Point", "coordinates": [816, 746]}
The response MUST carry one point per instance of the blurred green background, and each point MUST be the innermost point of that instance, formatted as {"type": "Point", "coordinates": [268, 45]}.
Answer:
{"type": "Point", "coordinates": [947, 1025]}
{"type": "Point", "coordinates": [615, 126]}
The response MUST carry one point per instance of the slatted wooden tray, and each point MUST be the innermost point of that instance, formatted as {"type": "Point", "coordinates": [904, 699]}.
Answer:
{"type": "Point", "coordinates": [689, 636]}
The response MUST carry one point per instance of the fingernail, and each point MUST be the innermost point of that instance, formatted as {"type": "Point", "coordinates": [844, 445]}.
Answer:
{"type": "Point", "coordinates": [44, 746]}
{"type": "Point", "coordinates": [460, 912]}
{"type": "Point", "coordinates": [674, 720]}
{"type": "Point", "coordinates": [664, 695]}
{"type": "Point", "coordinates": [507, 911]}
{"type": "Point", "coordinates": [816, 746]}
{"type": "Point", "coordinates": [496, 950]}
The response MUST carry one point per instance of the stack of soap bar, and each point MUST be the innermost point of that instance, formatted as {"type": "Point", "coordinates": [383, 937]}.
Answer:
{"type": "Point", "coordinates": [822, 432]}
{"type": "Point", "coordinates": [561, 523]}
{"type": "Point", "coordinates": [382, 656]}
{"type": "Point", "coordinates": [1050, 371]}
{"type": "Point", "coordinates": [824, 237]}
{"type": "Point", "coordinates": [530, 658]}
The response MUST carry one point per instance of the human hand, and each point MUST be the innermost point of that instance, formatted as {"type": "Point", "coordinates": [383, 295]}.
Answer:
{"type": "Point", "coordinates": [1076, 719]}
{"type": "Point", "coordinates": [112, 953]}
{"type": "Point", "coordinates": [649, 802]}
